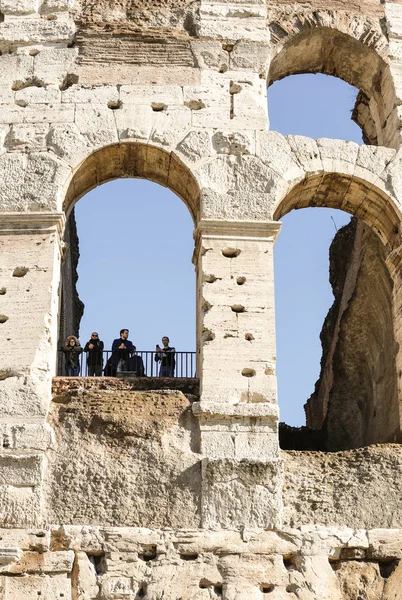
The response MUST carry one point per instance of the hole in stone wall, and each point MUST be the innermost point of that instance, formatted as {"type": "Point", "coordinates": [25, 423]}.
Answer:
{"type": "Point", "coordinates": [207, 335]}
{"type": "Point", "coordinates": [31, 82]}
{"type": "Point", "coordinates": [1, 17]}
{"type": "Point", "coordinates": [248, 372]}
{"type": "Point", "coordinates": [267, 588]}
{"type": "Point", "coordinates": [387, 568]}
{"type": "Point", "coordinates": [69, 80]}
{"type": "Point", "coordinates": [218, 589]}
{"type": "Point", "coordinates": [99, 563]}
{"type": "Point", "coordinates": [142, 591]}
{"type": "Point", "coordinates": [189, 556]}
{"type": "Point", "coordinates": [148, 552]}
{"type": "Point", "coordinates": [227, 47]}
{"type": "Point", "coordinates": [231, 252]}
{"type": "Point", "coordinates": [210, 278]}
{"type": "Point", "coordinates": [234, 88]}
{"type": "Point", "coordinates": [241, 280]}
{"type": "Point", "coordinates": [20, 271]}
{"type": "Point", "coordinates": [288, 563]}
{"type": "Point", "coordinates": [114, 104]}
{"type": "Point", "coordinates": [249, 337]}
{"type": "Point", "coordinates": [195, 104]}
{"type": "Point", "coordinates": [3, 318]}
{"type": "Point", "coordinates": [158, 106]}
{"type": "Point", "coordinates": [238, 308]}
{"type": "Point", "coordinates": [3, 291]}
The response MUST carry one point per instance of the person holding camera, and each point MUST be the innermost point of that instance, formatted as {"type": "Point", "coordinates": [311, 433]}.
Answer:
{"type": "Point", "coordinates": [166, 357]}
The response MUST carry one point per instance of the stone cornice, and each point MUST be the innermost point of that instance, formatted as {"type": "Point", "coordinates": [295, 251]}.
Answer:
{"type": "Point", "coordinates": [253, 230]}
{"type": "Point", "coordinates": [32, 222]}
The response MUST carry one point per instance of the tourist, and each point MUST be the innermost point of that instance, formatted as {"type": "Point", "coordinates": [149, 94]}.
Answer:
{"type": "Point", "coordinates": [121, 350]}
{"type": "Point", "coordinates": [136, 364]}
{"type": "Point", "coordinates": [94, 349]}
{"type": "Point", "coordinates": [166, 356]}
{"type": "Point", "coordinates": [72, 350]}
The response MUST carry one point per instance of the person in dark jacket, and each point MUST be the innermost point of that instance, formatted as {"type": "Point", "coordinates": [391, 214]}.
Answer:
{"type": "Point", "coordinates": [94, 349]}
{"type": "Point", "coordinates": [136, 364]}
{"type": "Point", "coordinates": [166, 357]}
{"type": "Point", "coordinates": [72, 351]}
{"type": "Point", "coordinates": [121, 350]}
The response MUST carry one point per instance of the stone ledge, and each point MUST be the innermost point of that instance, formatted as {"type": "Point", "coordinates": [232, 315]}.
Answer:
{"type": "Point", "coordinates": [257, 409]}
{"type": "Point", "coordinates": [66, 384]}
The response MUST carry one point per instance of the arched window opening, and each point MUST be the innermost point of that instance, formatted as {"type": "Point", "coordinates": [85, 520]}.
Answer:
{"type": "Point", "coordinates": [317, 45]}
{"type": "Point", "coordinates": [128, 265]}
{"type": "Point", "coordinates": [315, 106]}
{"type": "Point", "coordinates": [331, 282]}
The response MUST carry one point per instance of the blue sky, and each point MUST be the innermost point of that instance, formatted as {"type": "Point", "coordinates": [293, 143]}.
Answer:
{"type": "Point", "coordinates": [136, 245]}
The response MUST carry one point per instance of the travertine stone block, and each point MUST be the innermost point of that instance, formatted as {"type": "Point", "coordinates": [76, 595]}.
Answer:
{"type": "Point", "coordinates": [164, 95]}
{"type": "Point", "coordinates": [26, 539]}
{"type": "Point", "coordinates": [170, 125]}
{"type": "Point", "coordinates": [241, 493]}
{"type": "Point", "coordinates": [55, 65]}
{"type": "Point", "coordinates": [66, 141]}
{"type": "Point", "coordinates": [18, 7]}
{"type": "Point", "coordinates": [134, 122]}
{"type": "Point", "coordinates": [23, 138]}
{"type": "Point", "coordinates": [36, 31]}
{"type": "Point", "coordinates": [385, 543]}
{"type": "Point", "coordinates": [337, 155]}
{"type": "Point", "coordinates": [21, 470]}
{"type": "Point", "coordinates": [84, 94]}
{"type": "Point", "coordinates": [56, 5]}
{"type": "Point", "coordinates": [96, 124]}
{"type": "Point", "coordinates": [25, 436]}
{"type": "Point", "coordinates": [47, 588]}
{"type": "Point", "coordinates": [197, 145]}
{"type": "Point", "coordinates": [38, 95]}
{"type": "Point", "coordinates": [35, 563]}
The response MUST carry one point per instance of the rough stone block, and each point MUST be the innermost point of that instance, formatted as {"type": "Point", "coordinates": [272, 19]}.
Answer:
{"type": "Point", "coordinates": [385, 544]}
{"type": "Point", "coordinates": [25, 539]}
{"type": "Point", "coordinates": [241, 493]}
{"type": "Point", "coordinates": [21, 470]}
{"type": "Point", "coordinates": [38, 563]}
{"type": "Point", "coordinates": [18, 7]}
{"type": "Point", "coordinates": [46, 588]}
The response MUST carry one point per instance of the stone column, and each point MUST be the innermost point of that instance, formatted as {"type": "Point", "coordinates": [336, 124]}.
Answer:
{"type": "Point", "coordinates": [238, 413]}
{"type": "Point", "coordinates": [29, 282]}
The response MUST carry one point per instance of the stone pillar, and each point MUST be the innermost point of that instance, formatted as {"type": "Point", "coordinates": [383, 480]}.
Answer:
{"type": "Point", "coordinates": [29, 282]}
{"type": "Point", "coordinates": [394, 263]}
{"type": "Point", "coordinates": [238, 413]}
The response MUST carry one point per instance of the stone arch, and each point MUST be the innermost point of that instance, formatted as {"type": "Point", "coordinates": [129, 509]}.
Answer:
{"type": "Point", "coordinates": [350, 47]}
{"type": "Point", "coordinates": [115, 161]}
{"type": "Point", "coordinates": [351, 194]}
{"type": "Point", "coordinates": [137, 160]}
{"type": "Point", "coordinates": [353, 403]}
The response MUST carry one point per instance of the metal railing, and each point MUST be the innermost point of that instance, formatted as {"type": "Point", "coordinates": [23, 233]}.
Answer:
{"type": "Point", "coordinates": [141, 364]}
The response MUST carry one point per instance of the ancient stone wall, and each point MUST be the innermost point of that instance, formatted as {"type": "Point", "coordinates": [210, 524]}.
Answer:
{"type": "Point", "coordinates": [176, 93]}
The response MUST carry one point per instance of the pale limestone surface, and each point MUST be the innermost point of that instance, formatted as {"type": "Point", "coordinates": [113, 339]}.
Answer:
{"type": "Point", "coordinates": [175, 92]}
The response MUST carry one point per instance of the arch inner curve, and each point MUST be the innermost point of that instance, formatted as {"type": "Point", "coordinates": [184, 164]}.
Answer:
{"type": "Point", "coordinates": [136, 160]}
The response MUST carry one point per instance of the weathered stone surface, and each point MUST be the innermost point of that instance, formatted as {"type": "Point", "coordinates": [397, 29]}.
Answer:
{"type": "Point", "coordinates": [328, 488]}
{"type": "Point", "coordinates": [175, 92]}
{"type": "Point", "coordinates": [129, 439]}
